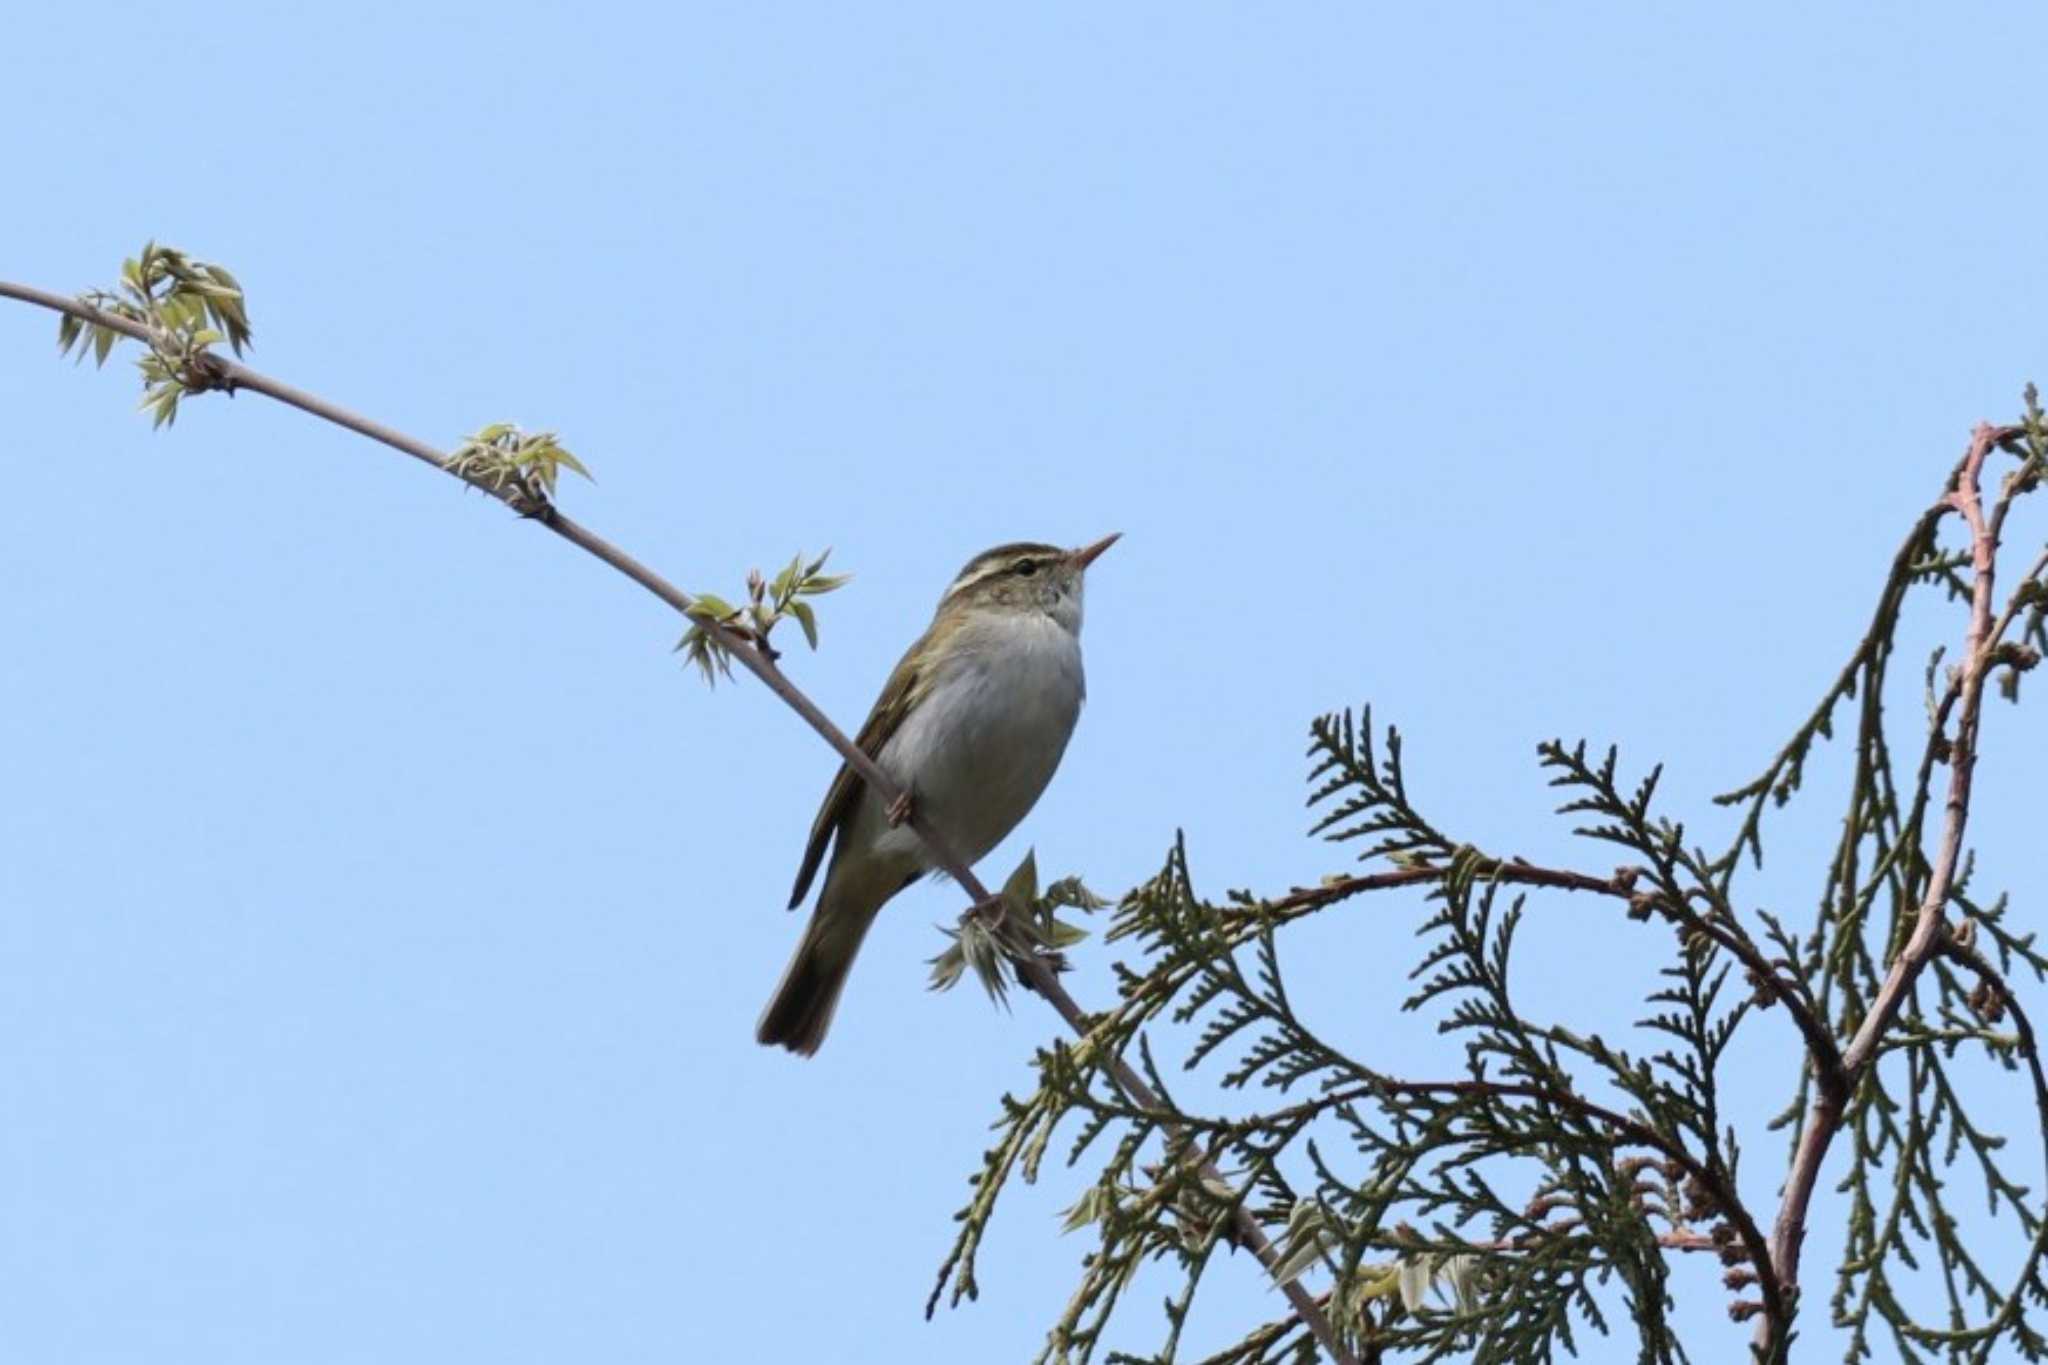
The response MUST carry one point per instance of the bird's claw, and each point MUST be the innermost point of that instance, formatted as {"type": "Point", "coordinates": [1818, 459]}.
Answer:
{"type": "Point", "coordinates": [900, 810]}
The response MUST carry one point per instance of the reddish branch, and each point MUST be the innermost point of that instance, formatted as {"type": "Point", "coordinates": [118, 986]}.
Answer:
{"type": "Point", "coordinates": [1930, 929]}
{"type": "Point", "coordinates": [231, 376]}
{"type": "Point", "coordinates": [1763, 975]}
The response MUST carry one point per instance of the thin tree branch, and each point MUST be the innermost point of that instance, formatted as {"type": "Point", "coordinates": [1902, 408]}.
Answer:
{"type": "Point", "coordinates": [1930, 928]}
{"type": "Point", "coordinates": [232, 376]}
{"type": "Point", "coordinates": [1820, 1042]}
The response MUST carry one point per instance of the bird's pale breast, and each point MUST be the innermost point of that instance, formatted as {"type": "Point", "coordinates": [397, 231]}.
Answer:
{"type": "Point", "coordinates": [982, 745]}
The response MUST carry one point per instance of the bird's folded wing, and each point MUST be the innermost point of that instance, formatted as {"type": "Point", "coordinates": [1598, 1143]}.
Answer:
{"type": "Point", "coordinates": [905, 688]}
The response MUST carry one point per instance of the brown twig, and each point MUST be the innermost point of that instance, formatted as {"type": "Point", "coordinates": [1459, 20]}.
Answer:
{"type": "Point", "coordinates": [1820, 1043]}
{"type": "Point", "coordinates": [233, 376]}
{"type": "Point", "coordinates": [1824, 1119]}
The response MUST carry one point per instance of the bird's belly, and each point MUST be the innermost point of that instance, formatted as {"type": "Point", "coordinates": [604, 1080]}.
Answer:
{"type": "Point", "coordinates": [979, 750]}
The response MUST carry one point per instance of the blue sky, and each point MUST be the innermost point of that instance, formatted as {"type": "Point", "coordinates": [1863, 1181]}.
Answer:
{"type": "Point", "coordinates": [384, 914]}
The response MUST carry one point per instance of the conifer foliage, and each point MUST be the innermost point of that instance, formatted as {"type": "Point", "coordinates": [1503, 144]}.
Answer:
{"type": "Point", "coordinates": [1541, 1192]}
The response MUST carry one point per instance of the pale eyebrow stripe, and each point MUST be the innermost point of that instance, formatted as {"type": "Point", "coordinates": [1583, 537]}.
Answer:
{"type": "Point", "coordinates": [989, 570]}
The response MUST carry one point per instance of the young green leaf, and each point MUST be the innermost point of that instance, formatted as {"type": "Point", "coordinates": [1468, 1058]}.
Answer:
{"type": "Point", "coordinates": [1021, 889]}
{"type": "Point", "coordinates": [807, 618]}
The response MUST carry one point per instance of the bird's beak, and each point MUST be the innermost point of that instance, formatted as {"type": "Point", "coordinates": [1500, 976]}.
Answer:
{"type": "Point", "coordinates": [1086, 555]}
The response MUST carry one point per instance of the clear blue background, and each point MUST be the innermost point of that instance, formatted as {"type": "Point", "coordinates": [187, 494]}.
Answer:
{"type": "Point", "coordinates": [384, 915]}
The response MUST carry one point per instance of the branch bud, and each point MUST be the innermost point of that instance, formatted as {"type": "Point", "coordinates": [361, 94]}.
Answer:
{"type": "Point", "coordinates": [1699, 1201]}
{"type": "Point", "coordinates": [1766, 990]}
{"type": "Point", "coordinates": [1986, 1003]}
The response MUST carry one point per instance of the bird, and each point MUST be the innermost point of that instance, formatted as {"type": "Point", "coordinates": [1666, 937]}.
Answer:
{"type": "Point", "coordinates": [971, 726]}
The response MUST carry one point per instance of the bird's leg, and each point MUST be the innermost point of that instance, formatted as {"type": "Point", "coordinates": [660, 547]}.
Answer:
{"type": "Point", "coordinates": [900, 809]}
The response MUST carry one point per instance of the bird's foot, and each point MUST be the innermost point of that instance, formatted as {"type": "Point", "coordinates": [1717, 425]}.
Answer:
{"type": "Point", "coordinates": [900, 809]}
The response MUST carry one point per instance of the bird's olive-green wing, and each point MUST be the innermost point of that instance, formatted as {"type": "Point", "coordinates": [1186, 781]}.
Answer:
{"type": "Point", "coordinates": [904, 689]}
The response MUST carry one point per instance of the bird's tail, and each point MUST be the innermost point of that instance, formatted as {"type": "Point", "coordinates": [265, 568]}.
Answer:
{"type": "Point", "coordinates": [802, 1008]}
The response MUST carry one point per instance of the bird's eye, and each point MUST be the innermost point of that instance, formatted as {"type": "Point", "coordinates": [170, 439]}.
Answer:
{"type": "Point", "coordinates": [1027, 567]}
